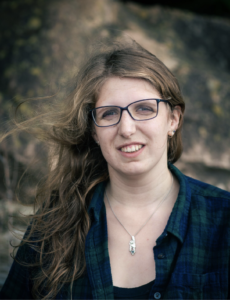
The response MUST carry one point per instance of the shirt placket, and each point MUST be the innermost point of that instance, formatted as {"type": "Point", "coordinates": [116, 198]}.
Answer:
{"type": "Point", "coordinates": [97, 260]}
{"type": "Point", "coordinates": [165, 256]}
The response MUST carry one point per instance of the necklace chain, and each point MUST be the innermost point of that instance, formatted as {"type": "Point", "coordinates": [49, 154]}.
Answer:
{"type": "Point", "coordinates": [133, 236]}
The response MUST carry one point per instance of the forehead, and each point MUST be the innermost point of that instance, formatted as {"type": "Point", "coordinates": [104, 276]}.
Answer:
{"type": "Point", "coordinates": [122, 91]}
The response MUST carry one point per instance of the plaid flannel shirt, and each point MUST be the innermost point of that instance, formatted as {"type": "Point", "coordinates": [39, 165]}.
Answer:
{"type": "Point", "coordinates": [191, 255]}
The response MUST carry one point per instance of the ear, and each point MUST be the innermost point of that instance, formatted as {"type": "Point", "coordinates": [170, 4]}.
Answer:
{"type": "Point", "coordinates": [174, 120]}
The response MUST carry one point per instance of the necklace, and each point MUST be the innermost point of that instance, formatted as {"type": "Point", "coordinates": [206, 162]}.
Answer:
{"type": "Point", "coordinates": [132, 243]}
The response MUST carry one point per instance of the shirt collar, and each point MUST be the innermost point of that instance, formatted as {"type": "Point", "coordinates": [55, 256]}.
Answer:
{"type": "Point", "coordinates": [96, 202]}
{"type": "Point", "coordinates": [178, 220]}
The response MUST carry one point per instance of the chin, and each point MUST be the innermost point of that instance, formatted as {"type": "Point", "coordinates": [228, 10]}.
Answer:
{"type": "Point", "coordinates": [134, 171]}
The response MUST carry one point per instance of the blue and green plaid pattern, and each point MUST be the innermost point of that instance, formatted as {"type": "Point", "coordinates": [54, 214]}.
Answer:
{"type": "Point", "coordinates": [192, 255]}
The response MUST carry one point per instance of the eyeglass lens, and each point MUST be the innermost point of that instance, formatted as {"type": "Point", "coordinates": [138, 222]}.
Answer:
{"type": "Point", "coordinates": [140, 110]}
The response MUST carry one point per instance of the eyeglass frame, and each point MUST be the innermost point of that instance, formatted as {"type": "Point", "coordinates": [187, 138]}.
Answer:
{"type": "Point", "coordinates": [126, 108]}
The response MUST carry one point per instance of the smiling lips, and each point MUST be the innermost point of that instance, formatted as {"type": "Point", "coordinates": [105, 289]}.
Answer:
{"type": "Point", "coordinates": [131, 148]}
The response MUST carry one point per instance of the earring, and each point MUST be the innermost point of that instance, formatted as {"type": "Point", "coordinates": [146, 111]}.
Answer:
{"type": "Point", "coordinates": [97, 142]}
{"type": "Point", "coordinates": [171, 133]}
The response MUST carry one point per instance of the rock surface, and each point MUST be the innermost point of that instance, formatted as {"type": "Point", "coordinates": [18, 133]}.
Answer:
{"type": "Point", "coordinates": [195, 48]}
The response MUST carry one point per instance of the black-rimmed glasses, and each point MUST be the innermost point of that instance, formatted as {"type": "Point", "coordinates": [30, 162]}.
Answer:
{"type": "Point", "coordinates": [141, 110]}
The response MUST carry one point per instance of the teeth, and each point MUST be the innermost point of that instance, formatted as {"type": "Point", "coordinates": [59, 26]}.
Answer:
{"type": "Point", "coordinates": [132, 148]}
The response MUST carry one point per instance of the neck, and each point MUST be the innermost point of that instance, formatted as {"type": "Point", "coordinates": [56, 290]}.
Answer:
{"type": "Point", "coordinates": [139, 191]}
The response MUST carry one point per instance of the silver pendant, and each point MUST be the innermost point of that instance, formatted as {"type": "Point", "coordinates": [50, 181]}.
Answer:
{"type": "Point", "coordinates": [132, 246]}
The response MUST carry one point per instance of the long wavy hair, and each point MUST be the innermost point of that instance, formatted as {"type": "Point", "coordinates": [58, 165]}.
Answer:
{"type": "Point", "coordinates": [59, 227]}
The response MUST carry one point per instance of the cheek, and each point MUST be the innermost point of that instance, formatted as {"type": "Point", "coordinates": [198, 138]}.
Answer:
{"type": "Point", "coordinates": [108, 155]}
{"type": "Point", "coordinates": [106, 138]}
{"type": "Point", "coordinates": [157, 134]}
{"type": "Point", "coordinates": [155, 129]}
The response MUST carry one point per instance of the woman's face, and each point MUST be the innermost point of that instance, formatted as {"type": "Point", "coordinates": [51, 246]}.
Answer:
{"type": "Point", "coordinates": [150, 135]}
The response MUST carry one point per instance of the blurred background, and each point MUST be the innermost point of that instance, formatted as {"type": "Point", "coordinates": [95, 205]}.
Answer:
{"type": "Point", "coordinates": [42, 45]}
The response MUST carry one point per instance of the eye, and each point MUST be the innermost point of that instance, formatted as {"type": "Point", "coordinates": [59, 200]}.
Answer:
{"type": "Point", "coordinates": [145, 109]}
{"type": "Point", "coordinates": [109, 113]}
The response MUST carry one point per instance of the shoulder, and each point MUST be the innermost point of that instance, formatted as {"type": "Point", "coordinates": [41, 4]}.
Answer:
{"type": "Point", "coordinates": [210, 205]}
{"type": "Point", "coordinates": [195, 188]}
{"type": "Point", "coordinates": [205, 202]}
{"type": "Point", "coordinates": [206, 190]}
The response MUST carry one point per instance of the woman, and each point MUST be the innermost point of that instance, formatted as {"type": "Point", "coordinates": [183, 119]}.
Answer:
{"type": "Point", "coordinates": [116, 219]}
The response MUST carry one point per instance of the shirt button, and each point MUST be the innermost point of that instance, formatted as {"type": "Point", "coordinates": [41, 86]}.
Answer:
{"type": "Point", "coordinates": [165, 235]}
{"type": "Point", "coordinates": [161, 255]}
{"type": "Point", "coordinates": [157, 295]}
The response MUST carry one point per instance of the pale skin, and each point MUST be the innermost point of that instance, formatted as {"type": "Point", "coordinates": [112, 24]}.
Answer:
{"type": "Point", "coordinates": [137, 181]}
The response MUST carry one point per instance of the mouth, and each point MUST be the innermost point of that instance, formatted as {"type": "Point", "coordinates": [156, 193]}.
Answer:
{"type": "Point", "coordinates": [131, 148]}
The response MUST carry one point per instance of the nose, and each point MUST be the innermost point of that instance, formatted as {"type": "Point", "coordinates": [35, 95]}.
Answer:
{"type": "Point", "coordinates": [127, 126]}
